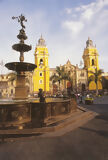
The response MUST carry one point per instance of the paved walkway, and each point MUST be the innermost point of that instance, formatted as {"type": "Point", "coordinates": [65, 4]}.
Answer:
{"type": "Point", "coordinates": [89, 142]}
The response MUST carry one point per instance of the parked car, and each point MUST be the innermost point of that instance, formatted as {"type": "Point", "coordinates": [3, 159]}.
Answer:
{"type": "Point", "coordinates": [35, 95]}
{"type": "Point", "coordinates": [89, 99]}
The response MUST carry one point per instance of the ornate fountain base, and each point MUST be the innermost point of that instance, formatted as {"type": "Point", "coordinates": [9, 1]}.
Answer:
{"type": "Point", "coordinates": [14, 113]}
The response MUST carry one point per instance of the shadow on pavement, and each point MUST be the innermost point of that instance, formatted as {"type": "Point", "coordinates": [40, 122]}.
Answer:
{"type": "Point", "coordinates": [99, 132]}
{"type": "Point", "coordinates": [98, 108]}
{"type": "Point", "coordinates": [102, 116]}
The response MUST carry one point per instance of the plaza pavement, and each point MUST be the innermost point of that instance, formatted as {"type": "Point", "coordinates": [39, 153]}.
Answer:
{"type": "Point", "coordinates": [88, 142]}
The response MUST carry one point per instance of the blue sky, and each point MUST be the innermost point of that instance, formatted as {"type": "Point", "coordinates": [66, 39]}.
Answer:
{"type": "Point", "coordinates": [64, 24]}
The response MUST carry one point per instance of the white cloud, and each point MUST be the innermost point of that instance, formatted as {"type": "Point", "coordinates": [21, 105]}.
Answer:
{"type": "Point", "coordinates": [68, 10]}
{"type": "Point", "coordinates": [84, 15]}
{"type": "Point", "coordinates": [87, 14]}
{"type": "Point", "coordinates": [74, 26]}
{"type": "Point", "coordinates": [90, 10]}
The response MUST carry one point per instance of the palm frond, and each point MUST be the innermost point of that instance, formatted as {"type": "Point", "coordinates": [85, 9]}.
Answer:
{"type": "Point", "coordinates": [91, 72]}
{"type": "Point", "coordinates": [96, 76]}
{"type": "Point", "coordinates": [58, 70]}
{"type": "Point", "coordinates": [99, 72]}
{"type": "Point", "coordinates": [91, 78]}
{"type": "Point", "coordinates": [54, 77]}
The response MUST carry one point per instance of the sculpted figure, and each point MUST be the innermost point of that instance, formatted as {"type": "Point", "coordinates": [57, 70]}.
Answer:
{"type": "Point", "coordinates": [21, 18]}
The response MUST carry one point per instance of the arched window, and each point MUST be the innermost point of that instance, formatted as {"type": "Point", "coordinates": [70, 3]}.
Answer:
{"type": "Point", "coordinates": [92, 62]}
{"type": "Point", "coordinates": [41, 61]}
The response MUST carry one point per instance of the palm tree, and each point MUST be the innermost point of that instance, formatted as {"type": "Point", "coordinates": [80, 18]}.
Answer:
{"type": "Point", "coordinates": [96, 76]}
{"type": "Point", "coordinates": [59, 75]}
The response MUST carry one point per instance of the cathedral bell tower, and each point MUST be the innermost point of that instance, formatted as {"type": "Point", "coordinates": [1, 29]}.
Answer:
{"type": "Point", "coordinates": [41, 73]}
{"type": "Point", "coordinates": [90, 57]}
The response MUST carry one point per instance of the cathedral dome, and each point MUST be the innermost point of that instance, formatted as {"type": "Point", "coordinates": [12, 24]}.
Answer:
{"type": "Point", "coordinates": [89, 43]}
{"type": "Point", "coordinates": [41, 42]}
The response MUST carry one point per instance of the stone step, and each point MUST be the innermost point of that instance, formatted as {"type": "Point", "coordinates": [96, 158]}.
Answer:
{"type": "Point", "coordinates": [70, 125]}
{"type": "Point", "coordinates": [58, 119]}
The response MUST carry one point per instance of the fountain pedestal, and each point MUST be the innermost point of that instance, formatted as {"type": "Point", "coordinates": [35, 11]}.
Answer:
{"type": "Point", "coordinates": [20, 89]}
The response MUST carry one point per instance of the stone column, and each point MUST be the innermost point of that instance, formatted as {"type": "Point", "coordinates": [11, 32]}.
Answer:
{"type": "Point", "coordinates": [20, 89]}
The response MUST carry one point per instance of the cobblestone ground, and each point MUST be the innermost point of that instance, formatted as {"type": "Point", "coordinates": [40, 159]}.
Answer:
{"type": "Point", "coordinates": [88, 142]}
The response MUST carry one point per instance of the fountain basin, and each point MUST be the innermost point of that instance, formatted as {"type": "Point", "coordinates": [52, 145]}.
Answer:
{"type": "Point", "coordinates": [21, 47]}
{"type": "Point", "coordinates": [20, 66]}
{"type": "Point", "coordinates": [14, 113]}
{"type": "Point", "coordinates": [33, 114]}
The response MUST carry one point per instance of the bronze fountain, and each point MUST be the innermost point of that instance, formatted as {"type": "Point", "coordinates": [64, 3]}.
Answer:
{"type": "Point", "coordinates": [21, 67]}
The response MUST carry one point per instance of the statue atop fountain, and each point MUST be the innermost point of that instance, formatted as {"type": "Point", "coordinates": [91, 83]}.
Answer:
{"type": "Point", "coordinates": [20, 19]}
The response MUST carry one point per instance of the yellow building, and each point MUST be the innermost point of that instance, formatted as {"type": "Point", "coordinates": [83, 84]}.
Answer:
{"type": "Point", "coordinates": [41, 73]}
{"type": "Point", "coordinates": [90, 57]}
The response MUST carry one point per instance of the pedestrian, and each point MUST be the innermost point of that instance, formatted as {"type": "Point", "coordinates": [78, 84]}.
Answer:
{"type": "Point", "coordinates": [81, 98]}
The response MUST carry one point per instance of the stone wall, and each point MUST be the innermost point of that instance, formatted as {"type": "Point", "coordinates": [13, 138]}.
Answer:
{"type": "Point", "coordinates": [34, 114]}
{"type": "Point", "coordinates": [41, 112]}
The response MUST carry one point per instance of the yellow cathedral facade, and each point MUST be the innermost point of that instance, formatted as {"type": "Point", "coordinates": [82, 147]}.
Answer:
{"type": "Point", "coordinates": [90, 57]}
{"type": "Point", "coordinates": [41, 73]}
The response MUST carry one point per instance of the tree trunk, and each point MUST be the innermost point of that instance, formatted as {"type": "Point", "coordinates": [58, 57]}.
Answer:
{"type": "Point", "coordinates": [64, 84]}
{"type": "Point", "coordinates": [96, 89]}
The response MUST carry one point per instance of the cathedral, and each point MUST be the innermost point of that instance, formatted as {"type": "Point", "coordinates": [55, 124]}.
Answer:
{"type": "Point", "coordinates": [90, 58]}
{"type": "Point", "coordinates": [80, 76]}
